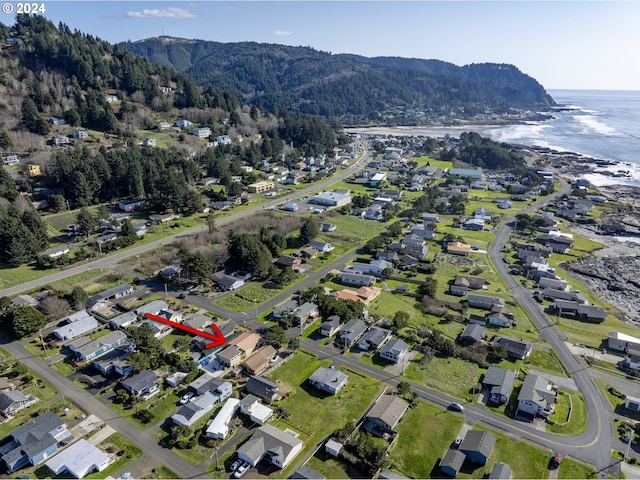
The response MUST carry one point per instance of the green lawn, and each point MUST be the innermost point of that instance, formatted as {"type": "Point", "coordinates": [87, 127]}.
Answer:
{"type": "Point", "coordinates": [358, 230]}
{"type": "Point", "coordinates": [570, 468]}
{"type": "Point", "coordinates": [578, 420]}
{"type": "Point", "coordinates": [330, 412]}
{"type": "Point", "coordinates": [68, 283]}
{"type": "Point", "coordinates": [161, 406]}
{"type": "Point", "coordinates": [40, 389]}
{"type": "Point", "coordinates": [422, 161]}
{"type": "Point", "coordinates": [130, 453]}
{"type": "Point", "coordinates": [451, 376]}
{"type": "Point", "coordinates": [247, 298]}
{"type": "Point", "coordinates": [424, 434]}
{"type": "Point", "coordinates": [387, 304]}
{"type": "Point", "coordinates": [332, 467]}
{"type": "Point", "coordinates": [160, 472]}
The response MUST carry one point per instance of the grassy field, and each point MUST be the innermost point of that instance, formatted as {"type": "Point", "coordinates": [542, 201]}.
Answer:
{"type": "Point", "coordinates": [451, 376]}
{"type": "Point", "coordinates": [161, 406]}
{"type": "Point", "coordinates": [570, 468]}
{"type": "Point", "coordinates": [247, 298]}
{"type": "Point", "coordinates": [422, 161]}
{"type": "Point", "coordinates": [68, 283]}
{"type": "Point", "coordinates": [417, 451]}
{"type": "Point", "coordinates": [160, 472]}
{"type": "Point", "coordinates": [330, 412]}
{"type": "Point", "coordinates": [359, 229]}
{"type": "Point", "coordinates": [579, 419]}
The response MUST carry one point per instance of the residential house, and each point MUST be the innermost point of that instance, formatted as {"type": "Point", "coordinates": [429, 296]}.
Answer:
{"type": "Point", "coordinates": [123, 320]}
{"type": "Point", "coordinates": [149, 142]}
{"type": "Point", "coordinates": [195, 409]}
{"type": "Point", "coordinates": [25, 300]}
{"type": "Point", "coordinates": [183, 123]}
{"type": "Point", "coordinates": [328, 380]}
{"type": "Point", "coordinates": [483, 301]}
{"type": "Point", "coordinates": [13, 401]}
{"type": "Point", "coordinates": [201, 132]}
{"type": "Point", "coordinates": [208, 383]}
{"type": "Point", "coordinates": [374, 338]}
{"type": "Point", "coordinates": [451, 462]}
{"type": "Point", "coordinates": [632, 403]}
{"type": "Point", "coordinates": [307, 311]}
{"type": "Point", "coordinates": [60, 140]}
{"type": "Point", "coordinates": [154, 307]}
{"type": "Point", "coordinates": [79, 459]}
{"type": "Point", "coordinates": [375, 267]}
{"type": "Point", "coordinates": [554, 294]}
{"type": "Point", "coordinates": [10, 160]}
{"type": "Point", "coordinates": [500, 471]}
{"type": "Point", "coordinates": [499, 383]}
{"type": "Point", "coordinates": [350, 333]}
{"type": "Point", "coordinates": [474, 224]}
{"type": "Point", "coordinates": [622, 342]}
{"type": "Point", "coordinates": [80, 134]}
{"type": "Point", "coordinates": [477, 446]}
{"type": "Point", "coordinates": [100, 300]}
{"type": "Point", "coordinates": [56, 121]}
{"type": "Point", "coordinates": [76, 325]}
{"type": "Point", "coordinates": [350, 278]}
{"type": "Point", "coordinates": [394, 350]}
{"type": "Point", "coordinates": [33, 442]}
{"type": "Point", "coordinates": [364, 294]}
{"type": "Point", "coordinates": [515, 348]}
{"type": "Point", "coordinates": [253, 407]}
{"type": "Point", "coordinates": [87, 349]}
{"type": "Point", "coordinates": [322, 247]}
{"type": "Point", "coordinates": [458, 248]}
{"type": "Point", "coordinates": [306, 473]}
{"type": "Point", "coordinates": [383, 417]}
{"type": "Point", "coordinates": [328, 227]}
{"type": "Point", "coordinates": [131, 206]}
{"type": "Point", "coordinates": [228, 282]}
{"type": "Point", "coordinates": [415, 246]}
{"type": "Point", "coordinates": [500, 316]}
{"type": "Point", "coordinates": [262, 388]}
{"type": "Point", "coordinates": [308, 252]}
{"type": "Point", "coordinates": [472, 334]}
{"type": "Point", "coordinates": [116, 361]}
{"type": "Point", "coordinates": [219, 426]}
{"type": "Point", "coordinates": [56, 252]}
{"type": "Point", "coordinates": [163, 125]}
{"type": "Point", "coordinates": [163, 217]}
{"type": "Point", "coordinates": [143, 384]}
{"type": "Point", "coordinates": [374, 212]}
{"type": "Point", "coordinates": [277, 446]}
{"type": "Point", "coordinates": [578, 311]}
{"type": "Point", "coordinates": [257, 363]}
{"type": "Point", "coordinates": [284, 309]}
{"type": "Point", "coordinates": [555, 283]}
{"type": "Point", "coordinates": [474, 173]}
{"type": "Point", "coordinates": [463, 283]}
{"type": "Point", "coordinates": [230, 356]}
{"type": "Point", "coordinates": [330, 326]}
{"type": "Point", "coordinates": [537, 397]}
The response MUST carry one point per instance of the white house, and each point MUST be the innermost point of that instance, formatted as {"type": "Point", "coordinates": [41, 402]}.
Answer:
{"type": "Point", "coordinates": [219, 426]}
{"type": "Point", "coordinates": [278, 446]}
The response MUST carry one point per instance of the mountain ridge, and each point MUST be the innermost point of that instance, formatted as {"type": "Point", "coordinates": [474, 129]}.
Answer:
{"type": "Point", "coordinates": [347, 86]}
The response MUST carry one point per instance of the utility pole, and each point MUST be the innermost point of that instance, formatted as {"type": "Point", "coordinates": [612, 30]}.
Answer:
{"type": "Point", "coordinates": [626, 455]}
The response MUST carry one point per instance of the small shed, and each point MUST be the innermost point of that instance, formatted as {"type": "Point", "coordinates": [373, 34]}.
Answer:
{"type": "Point", "coordinates": [333, 447]}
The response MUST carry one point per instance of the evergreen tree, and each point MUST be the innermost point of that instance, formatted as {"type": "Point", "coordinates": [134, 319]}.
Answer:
{"type": "Point", "coordinates": [309, 230]}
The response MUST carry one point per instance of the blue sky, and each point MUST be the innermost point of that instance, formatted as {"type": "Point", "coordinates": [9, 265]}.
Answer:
{"type": "Point", "coordinates": [562, 44]}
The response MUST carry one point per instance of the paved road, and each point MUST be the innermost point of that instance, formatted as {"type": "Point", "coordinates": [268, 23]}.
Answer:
{"type": "Point", "coordinates": [92, 405]}
{"type": "Point", "coordinates": [594, 444]}
{"type": "Point", "coordinates": [112, 260]}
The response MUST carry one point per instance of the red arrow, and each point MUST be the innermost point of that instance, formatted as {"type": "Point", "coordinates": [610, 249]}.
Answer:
{"type": "Point", "coordinates": [216, 336]}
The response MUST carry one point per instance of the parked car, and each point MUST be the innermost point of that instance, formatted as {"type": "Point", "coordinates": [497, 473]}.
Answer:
{"type": "Point", "coordinates": [457, 443]}
{"type": "Point", "coordinates": [186, 397]}
{"type": "Point", "coordinates": [241, 470]}
{"type": "Point", "coordinates": [182, 296]}
{"type": "Point", "coordinates": [456, 407]}
{"type": "Point", "coordinates": [235, 465]}
{"type": "Point", "coordinates": [555, 461]}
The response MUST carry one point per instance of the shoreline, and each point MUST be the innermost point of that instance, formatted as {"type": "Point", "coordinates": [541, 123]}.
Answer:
{"type": "Point", "coordinates": [573, 165]}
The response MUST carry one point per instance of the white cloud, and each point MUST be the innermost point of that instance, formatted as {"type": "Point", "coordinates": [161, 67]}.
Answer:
{"type": "Point", "coordinates": [282, 33]}
{"type": "Point", "coordinates": [170, 12]}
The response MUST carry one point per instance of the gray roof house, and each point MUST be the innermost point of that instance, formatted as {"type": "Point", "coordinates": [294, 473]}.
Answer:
{"type": "Point", "coordinates": [478, 446]}
{"type": "Point", "coordinates": [394, 350]}
{"type": "Point", "coordinates": [153, 307]}
{"type": "Point", "coordinates": [537, 397]}
{"type": "Point", "coordinates": [328, 379]}
{"type": "Point", "coordinates": [13, 401]}
{"type": "Point", "coordinates": [144, 384]}
{"type": "Point", "coordinates": [515, 348]}
{"type": "Point", "coordinates": [306, 473]}
{"type": "Point", "coordinates": [500, 471]}
{"type": "Point", "coordinates": [472, 333]}
{"type": "Point", "coordinates": [87, 349]}
{"type": "Point", "coordinates": [262, 388]}
{"type": "Point", "coordinates": [192, 411]}
{"type": "Point", "coordinates": [330, 326]}
{"type": "Point", "coordinates": [123, 320]}
{"type": "Point", "coordinates": [499, 382]}
{"type": "Point", "coordinates": [385, 415]}
{"type": "Point", "coordinates": [359, 279]}
{"type": "Point", "coordinates": [34, 441]}
{"type": "Point", "coordinates": [76, 325]}
{"type": "Point", "coordinates": [556, 283]}
{"type": "Point", "coordinates": [99, 299]}
{"type": "Point", "coordinates": [279, 447]}
{"type": "Point", "coordinates": [350, 332]}
{"type": "Point", "coordinates": [374, 338]}
{"type": "Point", "coordinates": [483, 301]}
{"type": "Point", "coordinates": [451, 462]}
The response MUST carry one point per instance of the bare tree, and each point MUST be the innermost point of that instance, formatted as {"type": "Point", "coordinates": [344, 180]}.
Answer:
{"type": "Point", "coordinates": [54, 307]}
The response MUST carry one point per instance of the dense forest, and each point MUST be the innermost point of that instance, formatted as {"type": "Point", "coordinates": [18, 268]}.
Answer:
{"type": "Point", "coordinates": [53, 72]}
{"type": "Point", "coordinates": [348, 87]}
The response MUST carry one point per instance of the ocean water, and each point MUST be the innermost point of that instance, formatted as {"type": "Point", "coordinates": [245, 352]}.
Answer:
{"type": "Point", "coordinates": [601, 124]}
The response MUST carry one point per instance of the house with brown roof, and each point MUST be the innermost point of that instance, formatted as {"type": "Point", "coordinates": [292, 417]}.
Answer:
{"type": "Point", "coordinates": [259, 361]}
{"type": "Point", "coordinates": [364, 294]}
{"type": "Point", "coordinates": [458, 248]}
{"type": "Point", "coordinates": [385, 415]}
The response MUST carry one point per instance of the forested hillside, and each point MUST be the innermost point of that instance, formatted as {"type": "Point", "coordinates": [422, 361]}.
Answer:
{"type": "Point", "coordinates": [80, 125]}
{"type": "Point", "coordinates": [348, 87]}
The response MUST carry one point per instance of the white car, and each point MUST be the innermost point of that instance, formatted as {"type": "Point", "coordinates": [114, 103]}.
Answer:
{"type": "Point", "coordinates": [235, 465]}
{"type": "Point", "coordinates": [186, 397]}
{"type": "Point", "coordinates": [241, 470]}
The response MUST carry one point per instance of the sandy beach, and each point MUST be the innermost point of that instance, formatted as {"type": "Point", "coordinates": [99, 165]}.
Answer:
{"type": "Point", "coordinates": [436, 132]}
